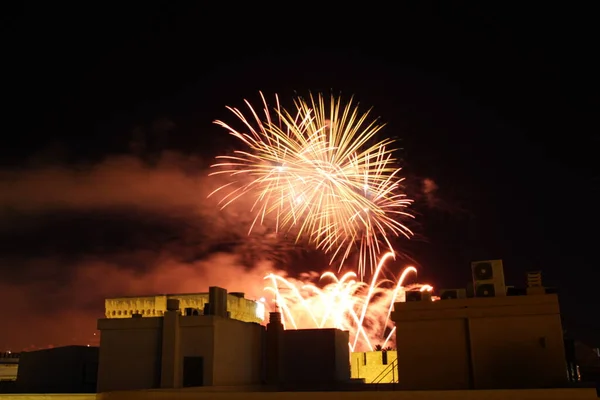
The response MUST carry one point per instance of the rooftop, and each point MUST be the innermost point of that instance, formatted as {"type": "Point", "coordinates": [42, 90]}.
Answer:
{"type": "Point", "coordinates": [235, 294]}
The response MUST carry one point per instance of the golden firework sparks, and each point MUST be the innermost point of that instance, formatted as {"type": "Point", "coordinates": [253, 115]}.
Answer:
{"type": "Point", "coordinates": [346, 303]}
{"type": "Point", "coordinates": [321, 173]}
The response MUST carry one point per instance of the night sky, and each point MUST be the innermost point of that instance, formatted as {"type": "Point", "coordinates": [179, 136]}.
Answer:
{"type": "Point", "coordinates": [108, 133]}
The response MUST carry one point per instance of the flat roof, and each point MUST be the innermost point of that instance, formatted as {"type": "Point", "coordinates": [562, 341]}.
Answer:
{"type": "Point", "coordinates": [159, 294]}
{"type": "Point", "coordinates": [174, 294]}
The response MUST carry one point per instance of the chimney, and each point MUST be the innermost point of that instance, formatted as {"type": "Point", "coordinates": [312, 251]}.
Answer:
{"type": "Point", "coordinates": [172, 304]}
{"type": "Point", "coordinates": [217, 300]}
{"type": "Point", "coordinates": [275, 321]}
{"type": "Point", "coordinates": [274, 347]}
{"type": "Point", "coordinates": [426, 295]}
{"type": "Point", "coordinates": [534, 283]}
{"type": "Point", "coordinates": [534, 279]}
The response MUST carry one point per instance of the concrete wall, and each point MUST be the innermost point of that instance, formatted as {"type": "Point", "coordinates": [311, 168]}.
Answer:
{"type": "Point", "coordinates": [540, 394]}
{"type": "Point", "coordinates": [238, 353]}
{"type": "Point", "coordinates": [60, 396]}
{"type": "Point", "coordinates": [130, 351]}
{"type": "Point", "coordinates": [240, 308]}
{"type": "Point", "coordinates": [527, 351]}
{"type": "Point", "coordinates": [433, 354]}
{"type": "Point", "coordinates": [145, 353]}
{"type": "Point", "coordinates": [313, 356]}
{"type": "Point", "coordinates": [231, 349]}
{"type": "Point", "coordinates": [369, 365]}
{"type": "Point", "coordinates": [342, 357]}
{"type": "Point", "coordinates": [501, 342]}
{"type": "Point", "coordinates": [197, 336]}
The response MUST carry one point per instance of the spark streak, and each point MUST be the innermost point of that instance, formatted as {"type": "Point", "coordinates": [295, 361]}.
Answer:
{"type": "Point", "coordinates": [320, 172]}
{"type": "Point", "coordinates": [344, 303]}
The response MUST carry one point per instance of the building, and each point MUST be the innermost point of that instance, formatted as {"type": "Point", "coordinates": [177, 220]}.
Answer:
{"type": "Point", "coordinates": [587, 363]}
{"type": "Point", "coordinates": [69, 369]}
{"type": "Point", "coordinates": [375, 366]}
{"type": "Point", "coordinates": [185, 355]}
{"type": "Point", "coordinates": [238, 306]}
{"type": "Point", "coordinates": [178, 350]}
{"type": "Point", "coordinates": [9, 365]}
{"type": "Point", "coordinates": [492, 341]}
{"type": "Point", "coordinates": [305, 357]}
{"type": "Point", "coordinates": [497, 339]}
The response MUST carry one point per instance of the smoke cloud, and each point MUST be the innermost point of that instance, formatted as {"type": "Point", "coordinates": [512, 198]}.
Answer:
{"type": "Point", "coordinates": [118, 181]}
{"type": "Point", "coordinates": [429, 195]}
{"type": "Point", "coordinates": [72, 236]}
{"type": "Point", "coordinates": [48, 312]}
{"type": "Point", "coordinates": [429, 191]}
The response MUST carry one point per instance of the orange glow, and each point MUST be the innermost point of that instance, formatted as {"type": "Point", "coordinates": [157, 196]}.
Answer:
{"type": "Point", "coordinates": [346, 303]}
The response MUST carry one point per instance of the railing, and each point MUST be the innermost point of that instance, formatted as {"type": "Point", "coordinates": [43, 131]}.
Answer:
{"type": "Point", "coordinates": [391, 369]}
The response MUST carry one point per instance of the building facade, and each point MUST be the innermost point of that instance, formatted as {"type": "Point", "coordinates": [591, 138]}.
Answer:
{"type": "Point", "coordinates": [176, 350]}
{"type": "Point", "coordinates": [480, 343]}
{"type": "Point", "coordinates": [375, 366]}
{"type": "Point", "coordinates": [305, 357]}
{"type": "Point", "coordinates": [238, 306]}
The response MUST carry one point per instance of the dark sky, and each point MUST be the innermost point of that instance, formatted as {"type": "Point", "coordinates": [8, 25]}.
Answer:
{"type": "Point", "coordinates": [108, 128]}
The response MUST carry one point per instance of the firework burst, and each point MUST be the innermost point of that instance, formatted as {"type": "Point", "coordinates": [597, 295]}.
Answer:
{"type": "Point", "coordinates": [320, 173]}
{"type": "Point", "coordinates": [345, 303]}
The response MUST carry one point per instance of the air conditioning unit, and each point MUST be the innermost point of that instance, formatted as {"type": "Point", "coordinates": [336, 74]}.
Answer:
{"type": "Point", "coordinates": [488, 278]}
{"type": "Point", "coordinates": [448, 294]}
{"type": "Point", "coordinates": [415, 295]}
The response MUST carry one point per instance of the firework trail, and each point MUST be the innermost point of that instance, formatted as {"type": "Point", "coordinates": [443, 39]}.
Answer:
{"type": "Point", "coordinates": [319, 173]}
{"type": "Point", "coordinates": [346, 303]}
